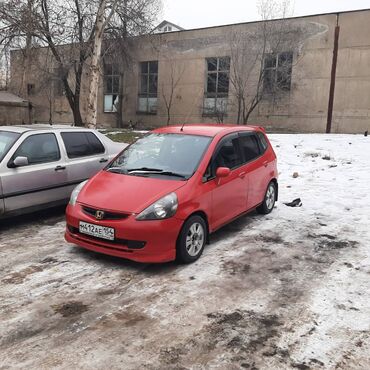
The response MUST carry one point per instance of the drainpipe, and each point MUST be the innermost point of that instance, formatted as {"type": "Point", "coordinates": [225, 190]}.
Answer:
{"type": "Point", "coordinates": [333, 77]}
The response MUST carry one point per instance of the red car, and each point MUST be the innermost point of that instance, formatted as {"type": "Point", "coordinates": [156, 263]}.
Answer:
{"type": "Point", "coordinates": [162, 197]}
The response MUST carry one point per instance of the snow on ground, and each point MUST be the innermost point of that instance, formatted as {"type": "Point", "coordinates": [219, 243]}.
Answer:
{"type": "Point", "coordinates": [290, 290]}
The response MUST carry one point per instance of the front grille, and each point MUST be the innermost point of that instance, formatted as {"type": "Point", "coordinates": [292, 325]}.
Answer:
{"type": "Point", "coordinates": [107, 215]}
{"type": "Point", "coordinates": [124, 243]}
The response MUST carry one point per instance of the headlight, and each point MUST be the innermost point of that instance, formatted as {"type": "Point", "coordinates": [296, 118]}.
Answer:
{"type": "Point", "coordinates": [163, 208]}
{"type": "Point", "coordinates": [75, 192]}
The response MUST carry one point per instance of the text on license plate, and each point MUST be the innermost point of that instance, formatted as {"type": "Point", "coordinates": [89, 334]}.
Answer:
{"type": "Point", "coordinates": [97, 230]}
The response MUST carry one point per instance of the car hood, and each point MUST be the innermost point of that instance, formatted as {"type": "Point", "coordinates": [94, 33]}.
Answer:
{"type": "Point", "coordinates": [124, 193]}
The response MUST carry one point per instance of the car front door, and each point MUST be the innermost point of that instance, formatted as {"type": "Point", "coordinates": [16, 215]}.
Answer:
{"type": "Point", "coordinates": [254, 166]}
{"type": "Point", "coordinates": [229, 194]}
{"type": "Point", "coordinates": [2, 207]}
{"type": "Point", "coordinates": [41, 177]}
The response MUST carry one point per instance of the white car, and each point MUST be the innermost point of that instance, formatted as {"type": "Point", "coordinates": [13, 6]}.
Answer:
{"type": "Point", "coordinates": [40, 164]}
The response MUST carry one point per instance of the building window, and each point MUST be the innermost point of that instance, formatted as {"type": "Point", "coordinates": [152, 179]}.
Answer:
{"type": "Point", "coordinates": [217, 85]}
{"type": "Point", "coordinates": [30, 89]}
{"type": "Point", "coordinates": [57, 82]}
{"type": "Point", "coordinates": [111, 87]}
{"type": "Point", "coordinates": [148, 88]}
{"type": "Point", "coordinates": [277, 72]}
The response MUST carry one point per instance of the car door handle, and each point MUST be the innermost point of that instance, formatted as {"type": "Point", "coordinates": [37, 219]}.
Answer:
{"type": "Point", "coordinates": [265, 163]}
{"type": "Point", "coordinates": [242, 175]}
{"type": "Point", "coordinates": [103, 160]}
{"type": "Point", "coordinates": [59, 168]}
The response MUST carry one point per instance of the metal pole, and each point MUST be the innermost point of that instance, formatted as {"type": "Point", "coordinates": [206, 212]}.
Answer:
{"type": "Point", "coordinates": [333, 77]}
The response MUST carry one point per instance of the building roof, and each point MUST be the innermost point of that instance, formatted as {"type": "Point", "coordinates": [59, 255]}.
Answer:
{"type": "Point", "coordinates": [162, 24]}
{"type": "Point", "coordinates": [7, 98]}
{"type": "Point", "coordinates": [271, 20]}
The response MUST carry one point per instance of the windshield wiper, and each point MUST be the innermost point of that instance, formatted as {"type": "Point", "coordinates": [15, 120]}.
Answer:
{"type": "Point", "coordinates": [154, 171]}
{"type": "Point", "coordinates": [116, 170]}
{"type": "Point", "coordinates": [169, 173]}
{"type": "Point", "coordinates": [144, 169]}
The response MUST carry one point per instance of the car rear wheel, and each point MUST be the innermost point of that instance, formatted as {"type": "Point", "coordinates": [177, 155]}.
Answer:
{"type": "Point", "coordinates": [192, 239]}
{"type": "Point", "coordinates": [269, 200]}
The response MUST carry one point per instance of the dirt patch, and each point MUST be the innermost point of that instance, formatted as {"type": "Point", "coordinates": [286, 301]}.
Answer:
{"type": "Point", "coordinates": [237, 335]}
{"type": "Point", "coordinates": [19, 335]}
{"type": "Point", "coordinates": [235, 268]}
{"type": "Point", "coordinates": [130, 318]}
{"type": "Point", "coordinates": [271, 239]}
{"type": "Point", "coordinates": [327, 242]}
{"type": "Point", "coordinates": [70, 309]}
{"type": "Point", "coordinates": [20, 276]}
{"type": "Point", "coordinates": [49, 260]}
{"type": "Point", "coordinates": [324, 244]}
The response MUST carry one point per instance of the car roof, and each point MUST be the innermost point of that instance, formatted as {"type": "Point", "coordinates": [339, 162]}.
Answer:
{"type": "Point", "coordinates": [39, 127]}
{"type": "Point", "coordinates": [206, 129]}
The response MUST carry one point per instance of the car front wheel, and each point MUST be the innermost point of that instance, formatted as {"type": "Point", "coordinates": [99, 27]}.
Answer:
{"type": "Point", "coordinates": [269, 200]}
{"type": "Point", "coordinates": [192, 239]}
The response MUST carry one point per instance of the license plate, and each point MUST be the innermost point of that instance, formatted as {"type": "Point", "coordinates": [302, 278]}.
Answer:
{"type": "Point", "coordinates": [97, 230]}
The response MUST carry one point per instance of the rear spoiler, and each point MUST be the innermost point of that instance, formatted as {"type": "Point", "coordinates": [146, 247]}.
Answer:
{"type": "Point", "coordinates": [261, 128]}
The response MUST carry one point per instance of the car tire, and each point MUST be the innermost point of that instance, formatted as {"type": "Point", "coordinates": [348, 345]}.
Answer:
{"type": "Point", "coordinates": [192, 239]}
{"type": "Point", "coordinates": [269, 200]}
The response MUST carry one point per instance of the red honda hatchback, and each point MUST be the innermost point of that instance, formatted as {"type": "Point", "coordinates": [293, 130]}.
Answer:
{"type": "Point", "coordinates": [163, 195]}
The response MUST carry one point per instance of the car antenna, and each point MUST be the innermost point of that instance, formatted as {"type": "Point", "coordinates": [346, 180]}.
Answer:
{"type": "Point", "coordinates": [182, 127]}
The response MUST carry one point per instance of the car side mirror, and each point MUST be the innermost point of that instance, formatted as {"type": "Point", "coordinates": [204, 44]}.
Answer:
{"type": "Point", "coordinates": [222, 172]}
{"type": "Point", "coordinates": [19, 162]}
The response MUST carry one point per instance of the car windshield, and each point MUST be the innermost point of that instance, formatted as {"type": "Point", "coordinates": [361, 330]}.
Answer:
{"type": "Point", "coordinates": [159, 155]}
{"type": "Point", "coordinates": [7, 139]}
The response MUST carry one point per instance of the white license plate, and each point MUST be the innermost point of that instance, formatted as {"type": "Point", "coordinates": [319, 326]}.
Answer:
{"type": "Point", "coordinates": [97, 230]}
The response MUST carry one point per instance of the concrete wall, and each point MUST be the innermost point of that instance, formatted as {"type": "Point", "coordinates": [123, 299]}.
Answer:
{"type": "Point", "coordinates": [352, 92]}
{"type": "Point", "coordinates": [13, 114]}
{"type": "Point", "coordinates": [304, 108]}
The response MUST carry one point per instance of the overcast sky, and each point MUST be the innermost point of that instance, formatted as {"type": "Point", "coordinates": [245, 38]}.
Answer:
{"type": "Point", "coordinates": [203, 13]}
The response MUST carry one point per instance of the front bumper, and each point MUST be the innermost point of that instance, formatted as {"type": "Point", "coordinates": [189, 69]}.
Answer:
{"type": "Point", "coordinates": [141, 241]}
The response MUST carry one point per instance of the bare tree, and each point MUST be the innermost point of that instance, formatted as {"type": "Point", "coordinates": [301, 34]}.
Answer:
{"type": "Point", "coordinates": [169, 88]}
{"type": "Point", "coordinates": [74, 32]}
{"type": "Point", "coordinates": [106, 9]}
{"type": "Point", "coordinates": [251, 77]}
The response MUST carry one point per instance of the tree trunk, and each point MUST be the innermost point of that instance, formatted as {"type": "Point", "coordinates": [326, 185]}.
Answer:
{"type": "Point", "coordinates": [92, 101]}
{"type": "Point", "coordinates": [120, 103]}
{"type": "Point", "coordinates": [27, 55]}
{"type": "Point", "coordinates": [239, 111]}
{"type": "Point", "coordinates": [77, 118]}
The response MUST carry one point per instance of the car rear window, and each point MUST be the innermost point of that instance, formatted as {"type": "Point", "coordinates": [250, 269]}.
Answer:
{"type": "Point", "coordinates": [249, 147]}
{"type": "Point", "coordinates": [81, 144]}
{"type": "Point", "coordinates": [263, 141]}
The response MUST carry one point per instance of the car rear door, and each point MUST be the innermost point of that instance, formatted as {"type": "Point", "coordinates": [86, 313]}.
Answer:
{"type": "Point", "coordinates": [254, 166]}
{"type": "Point", "coordinates": [42, 181]}
{"type": "Point", "coordinates": [86, 155]}
{"type": "Point", "coordinates": [229, 194]}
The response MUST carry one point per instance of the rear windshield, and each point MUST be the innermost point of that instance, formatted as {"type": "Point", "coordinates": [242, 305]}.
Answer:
{"type": "Point", "coordinates": [7, 139]}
